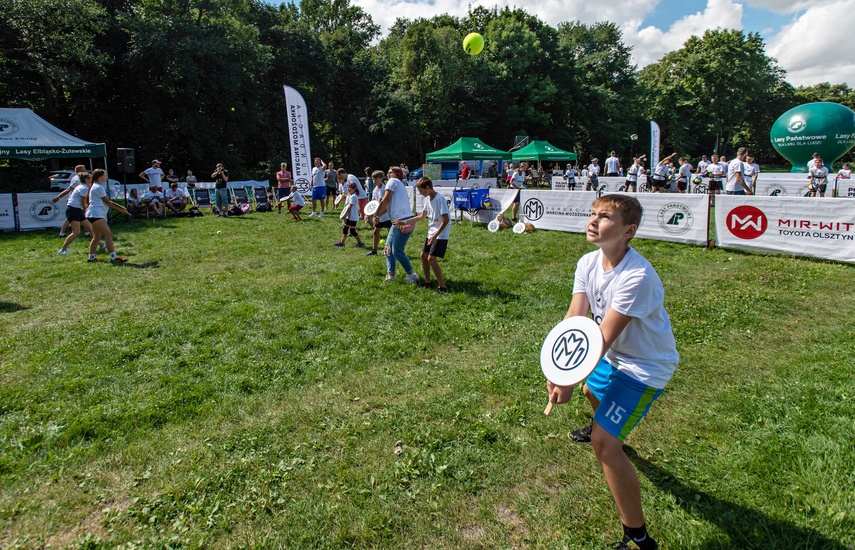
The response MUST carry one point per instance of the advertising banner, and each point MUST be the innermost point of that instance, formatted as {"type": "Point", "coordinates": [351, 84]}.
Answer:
{"type": "Point", "coordinates": [500, 200]}
{"type": "Point", "coordinates": [471, 183]}
{"type": "Point", "coordinates": [654, 143]}
{"type": "Point", "coordinates": [821, 228]}
{"type": "Point", "coordinates": [557, 210]}
{"type": "Point", "coordinates": [7, 213]}
{"type": "Point", "coordinates": [298, 140]}
{"type": "Point", "coordinates": [36, 211]}
{"type": "Point", "coordinates": [675, 217]}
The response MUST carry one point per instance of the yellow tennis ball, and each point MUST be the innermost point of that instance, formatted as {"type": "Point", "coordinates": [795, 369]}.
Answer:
{"type": "Point", "coordinates": [473, 43]}
{"type": "Point", "coordinates": [382, 242]}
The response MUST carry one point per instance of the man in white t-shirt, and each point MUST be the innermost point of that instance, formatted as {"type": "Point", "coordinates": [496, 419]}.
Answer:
{"type": "Point", "coordinates": [818, 178]}
{"type": "Point", "coordinates": [319, 188]}
{"type": "Point", "coordinates": [683, 175]}
{"type": "Point", "coordinates": [736, 184]}
{"type": "Point", "coordinates": [570, 175]}
{"type": "Point", "coordinates": [637, 169]}
{"type": "Point", "coordinates": [75, 181]}
{"type": "Point", "coordinates": [153, 175]}
{"type": "Point", "coordinates": [593, 175]}
{"type": "Point", "coordinates": [176, 200]}
{"type": "Point", "coordinates": [612, 165]}
{"type": "Point", "coordinates": [703, 164]}
{"type": "Point", "coordinates": [154, 200]}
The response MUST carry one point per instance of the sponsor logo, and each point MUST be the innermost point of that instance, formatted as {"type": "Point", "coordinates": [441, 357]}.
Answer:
{"type": "Point", "coordinates": [775, 190]}
{"type": "Point", "coordinates": [533, 209]}
{"type": "Point", "coordinates": [477, 146]}
{"type": "Point", "coordinates": [44, 211]}
{"type": "Point", "coordinates": [303, 185]}
{"type": "Point", "coordinates": [8, 127]}
{"type": "Point", "coordinates": [796, 125]}
{"type": "Point", "coordinates": [570, 350]}
{"type": "Point", "coordinates": [675, 218]}
{"type": "Point", "coordinates": [746, 222]}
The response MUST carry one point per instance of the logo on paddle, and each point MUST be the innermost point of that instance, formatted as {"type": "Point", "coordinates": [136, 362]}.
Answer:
{"type": "Point", "coordinates": [570, 349]}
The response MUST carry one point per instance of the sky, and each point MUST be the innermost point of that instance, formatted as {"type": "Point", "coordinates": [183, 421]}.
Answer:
{"type": "Point", "coordinates": [809, 38]}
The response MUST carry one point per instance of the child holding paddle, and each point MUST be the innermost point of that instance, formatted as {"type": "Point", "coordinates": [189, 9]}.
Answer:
{"type": "Point", "coordinates": [625, 295]}
{"type": "Point", "coordinates": [435, 210]}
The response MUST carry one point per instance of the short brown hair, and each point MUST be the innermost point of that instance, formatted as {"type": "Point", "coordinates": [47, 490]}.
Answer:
{"type": "Point", "coordinates": [97, 173]}
{"type": "Point", "coordinates": [629, 207]}
{"type": "Point", "coordinates": [424, 183]}
{"type": "Point", "coordinates": [378, 174]}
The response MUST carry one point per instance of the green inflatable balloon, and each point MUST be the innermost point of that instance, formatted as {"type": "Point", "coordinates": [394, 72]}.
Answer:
{"type": "Point", "coordinates": [825, 128]}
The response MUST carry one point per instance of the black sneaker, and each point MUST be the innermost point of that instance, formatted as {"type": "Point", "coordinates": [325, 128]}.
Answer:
{"type": "Point", "coordinates": [371, 252]}
{"type": "Point", "coordinates": [442, 290]}
{"type": "Point", "coordinates": [649, 544]}
{"type": "Point", "coordinates": [582, 435]}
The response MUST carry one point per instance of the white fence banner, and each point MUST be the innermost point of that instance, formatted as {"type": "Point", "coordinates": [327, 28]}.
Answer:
{"type": "Point", "coordinates": [557, 210]}
{"type": "Point", "coordinates": [471, 183]}
{"type": "Point", "coordinates": [7, 213]}
{"type": "Point", "coordinates": [675, 217]}
{"type": "Point", "coordinates": [37, 211]}
{"type": "Point", "coordinates": [821, 228]}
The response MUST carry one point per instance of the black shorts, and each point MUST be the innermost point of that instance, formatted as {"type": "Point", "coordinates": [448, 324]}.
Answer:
{"type": "Point", "coordinates": [332, 191]}
{"type": "Point", "coordinates": [93, 220]}
{"type": "Point", "coordinates": [74, 214]}
{"type": "Point", "coordinates": [612, 174]}
{"type": "Point", "coordinates": [384, 224]}
{"type": "Point", "coordinates": [629, 183]}
{"type": "Point", "coordinates": [682, 185]}
{"type": "Point", "coordinates": [657, 183]}
{"type": "Point", "coordinates": [348, 226]}
{"type": "Point", "coordinates": [517, 197]}
{"type": "Point", "coordinates": [715, 185]}
{"type": "Point", "coordinates": [437, 249]}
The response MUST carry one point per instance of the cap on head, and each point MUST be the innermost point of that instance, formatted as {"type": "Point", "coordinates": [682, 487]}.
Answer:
{"type": "Point", "coordinates": [155, 161]}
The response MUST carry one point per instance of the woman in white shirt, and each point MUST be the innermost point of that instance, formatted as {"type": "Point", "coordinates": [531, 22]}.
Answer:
{"type": "Point", "coordinates": [96, 213]}
{"type": "Point", "coordinates": [396, 201]}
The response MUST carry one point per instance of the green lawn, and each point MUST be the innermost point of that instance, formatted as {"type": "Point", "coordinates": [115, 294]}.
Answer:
{"type": "Point", "coordinates": [248, 389]}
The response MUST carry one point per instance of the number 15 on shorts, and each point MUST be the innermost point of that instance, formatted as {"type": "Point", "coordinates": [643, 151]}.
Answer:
{"type": "Point", "coordinates": [615, 413]}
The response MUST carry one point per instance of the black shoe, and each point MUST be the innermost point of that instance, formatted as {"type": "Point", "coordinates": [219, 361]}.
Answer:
{"type": "Point", "coordinates": [649, 544]}
{"type": "Point", "coordinates": [582, 435]}
{"type": "Point", "coordinates": [371, 252]}
{"type": "Point", "coordinates": [442, 290]}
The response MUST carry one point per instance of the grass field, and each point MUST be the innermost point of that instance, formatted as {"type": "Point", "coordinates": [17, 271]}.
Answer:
{"type": "Point", "coordinates": [248, 389]}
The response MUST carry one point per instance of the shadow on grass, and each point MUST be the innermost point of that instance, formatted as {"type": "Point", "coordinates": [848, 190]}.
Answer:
{"type": "Point", "coordinates": [745, 528]}
{"type": "Point", "coordinates": [477, 289]}
{"type": "Point", "coordinates": [11, 307]}
{"type": "Point", "coordinates": [145, 265]}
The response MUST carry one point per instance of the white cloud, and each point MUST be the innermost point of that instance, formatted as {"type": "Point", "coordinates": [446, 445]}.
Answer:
{"type": "Point", "coordinates": [817, 46]}
{"type": "Point", "coordinates": [651, 43]}
{"type": "Point", "coordinates": [787, 6]}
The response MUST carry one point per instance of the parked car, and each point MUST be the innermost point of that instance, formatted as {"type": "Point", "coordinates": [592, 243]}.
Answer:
{"type": "Point", "coordinates": [59, 179]}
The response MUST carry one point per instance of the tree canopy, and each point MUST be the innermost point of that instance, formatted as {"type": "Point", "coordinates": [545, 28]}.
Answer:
{"type": "Point", "coordinates": [195, 82]}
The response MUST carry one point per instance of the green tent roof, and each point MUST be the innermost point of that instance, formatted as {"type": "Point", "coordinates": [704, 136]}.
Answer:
{"type": "Point", "coordinates": [467, 148]}
{"type": "Point", "coordinates": [542, 150]}
{"type": "Point", "coordinates": [25, 135]}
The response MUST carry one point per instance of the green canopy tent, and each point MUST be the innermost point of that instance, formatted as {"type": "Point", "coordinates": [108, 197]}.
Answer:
{"type": "Point", "coordinates": [467, 148]}
{"type": "Point", "coordinates": [541, 150]}
{"type": "Point", "coordinates": [25, 135]}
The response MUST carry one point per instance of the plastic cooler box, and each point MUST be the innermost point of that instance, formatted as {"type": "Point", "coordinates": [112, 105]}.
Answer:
{"type": "Point", "coordinates": [471, 199]}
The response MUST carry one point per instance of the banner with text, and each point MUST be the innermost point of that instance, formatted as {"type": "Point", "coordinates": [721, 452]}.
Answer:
{"type": "Point", "coordinates": [500, 200]}
{"type": "Point", "coordinates": [298, 139]}
{"type": "Point", "coordinates": [675, 217]}
{"type": "Point", "coordinates": [557, 210]}
{"type": "Point", "coordinates": [7, 213]}
{"type": "Point", "coordinates": [37, 211]}
{"type": "Point", "coordinates": [802, 226]}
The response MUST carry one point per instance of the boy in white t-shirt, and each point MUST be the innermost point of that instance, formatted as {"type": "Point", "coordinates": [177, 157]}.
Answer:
{"type": "Point", "coordinates": [349, 216]}
{"type": "Point", "coordinates": [436, 212]}
{"type": "Point", "coordinates": [623, 292]}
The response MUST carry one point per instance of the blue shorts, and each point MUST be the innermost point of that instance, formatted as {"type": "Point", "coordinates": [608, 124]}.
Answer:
{"type": "Point", "coordinates": [319, 193]}
{"type": "Point", "coordinates": [623, 400]}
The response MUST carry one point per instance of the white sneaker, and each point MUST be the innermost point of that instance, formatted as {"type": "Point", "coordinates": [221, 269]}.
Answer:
{"type": "Point", "coordinates": [413, 279]}
{"type": "Point", "coordinates": [312, 215]}
{"type": "Point", "coordinates": [320, 214]}
{"type": "Point", "coordinates": [63, 251]}
{"type": "Point", "coordinates": [390, 277]}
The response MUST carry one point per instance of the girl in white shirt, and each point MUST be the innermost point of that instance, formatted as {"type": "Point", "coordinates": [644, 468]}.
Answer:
{"type": "Point", "coordinates": [76, 208]}
{"type": "Point", "coordinates": [96, 213]}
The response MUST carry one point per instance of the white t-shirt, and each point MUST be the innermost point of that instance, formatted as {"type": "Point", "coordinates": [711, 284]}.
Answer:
{"type": "Point", "coordinates": [646, 349]}
{"type": "Point", "coordinates": [75, 181]}
{"type": "Point", "coordinates": [661, 171]}
{"type": "Point", "coordinates": [377, 195]}
{"type": "Point", "coordinates": [360, 191]}
{"type": "Point", "coordinates": [593, 170]}
{"type": "Point", "coordinates": [844, 174]}
{"type": "Point", "coordinates": [685, 172]}
{"type": "Point", "coordinates": [632, 173]}
{"type": "Point", "coordinates": [353, 211]}
{"type": "Point", "coordinates": [155, 176]}
{"type": "Point", "coordinates": [819, 174]}
{"type": "Point", "coordinates": [570, 175]}
{"type": "Point", "coordinates": [178, 194]}
{"type": "Point", "coordinates": [399, 207]}
{"type": "Point", "coordinates": [612, 165]}
{"type": "Point", "coordinates": [811, 165]}
{"type": "Point", "coordinates": [750, 172]}
{"type": "Point", "coordinates": [702, 166]}
{"type": "Point", "coordinates": [716, 170]}
{"type": "Point", "coordinates": [318, 179]}
{"type": "Point", "coordinates": [76, 198]}
{"type": "Point", "coordinates": [153, 196]}
{"type": "Point", "coordinates": [435, 209]}
{"type": "Point", "coordinates": [297, 198]}
{"type": "Point", "coordinates": [97, 208]}
{"type": "Point", "coordinates": [518, 180]}
{"type": "Point", "coordinates": [736, 166]}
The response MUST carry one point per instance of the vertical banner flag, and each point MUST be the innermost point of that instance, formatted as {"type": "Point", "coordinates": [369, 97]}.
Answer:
{"type": "Point", "coordinates": [298, 140]}
{"type": "Point", "coordinates": [654, 144]}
